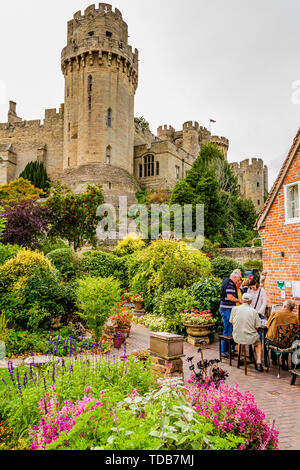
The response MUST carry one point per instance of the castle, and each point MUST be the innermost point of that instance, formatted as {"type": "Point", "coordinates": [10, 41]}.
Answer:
{"type": "Point", "coordinates": [94, 138]}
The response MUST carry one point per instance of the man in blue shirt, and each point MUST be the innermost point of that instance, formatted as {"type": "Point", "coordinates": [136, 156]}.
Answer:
{"type": "Point", "coordinates": [228, 302]}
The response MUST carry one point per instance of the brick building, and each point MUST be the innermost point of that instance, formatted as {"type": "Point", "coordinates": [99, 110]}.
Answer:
{"type": "Point", "coordinates": [279, 228]}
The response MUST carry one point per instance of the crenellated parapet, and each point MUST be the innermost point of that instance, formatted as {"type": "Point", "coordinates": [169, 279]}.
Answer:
{"type": "Point", "coordinates": [166, 132]}
{"type": "Point", "coordinates": [99, 37]}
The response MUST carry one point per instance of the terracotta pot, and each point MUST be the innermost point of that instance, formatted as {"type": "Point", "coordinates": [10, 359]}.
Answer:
{"type": "Point", "coordinates": [198, 331]}
{"type": "Point", "coordinates": [138, 305]}
{"type": "Point", "coordinates": [123, 331]}
{"type": "Point", "coordinates": [118, 341]}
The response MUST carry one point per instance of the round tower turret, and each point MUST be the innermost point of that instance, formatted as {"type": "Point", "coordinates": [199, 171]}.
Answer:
{"type": "Point", "coordinates": [101, 78]}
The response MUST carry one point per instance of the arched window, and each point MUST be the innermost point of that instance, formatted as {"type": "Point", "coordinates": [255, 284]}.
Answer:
{"type": "Point", "coordinates": [109, 117]}
{"type": "Point", "coordinates": [108, 155]}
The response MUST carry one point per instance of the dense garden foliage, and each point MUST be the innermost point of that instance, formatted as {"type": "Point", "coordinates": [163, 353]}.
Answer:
{"type": "Point", "coordinates": [64, 304]}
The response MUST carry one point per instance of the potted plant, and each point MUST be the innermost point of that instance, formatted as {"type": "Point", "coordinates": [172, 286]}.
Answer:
{"type": "Point", "coordinates": [126, 298]}
{"type": "Point", "coordinates": [119, 339]}
{"type": "Point", "coordinates": [198, 324]}
{"type": "Point", "coordinates": [138, 302]}
{"type": "Point", "coordinates": [121, 318]}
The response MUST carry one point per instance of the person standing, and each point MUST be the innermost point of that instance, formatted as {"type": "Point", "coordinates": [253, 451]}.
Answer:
{"type": "Point", "coordinates": [245, 321]}
{"type": "Point", "coordinates": [259, 298]}
{"type": "Point", "coordinates": [229, 300]}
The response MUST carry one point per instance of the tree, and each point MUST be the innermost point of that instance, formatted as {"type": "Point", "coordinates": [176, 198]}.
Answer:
{"type": "Point", "coordinates": [25, 223]}
{"type": "Point", "coordinates": [36, 173]}
{"type": "Point", "coordinates": [73, 216]}
{"type": "Point", "coordinates": [229, 219]}
{"type": "Point", "coordinates": [17, 190]}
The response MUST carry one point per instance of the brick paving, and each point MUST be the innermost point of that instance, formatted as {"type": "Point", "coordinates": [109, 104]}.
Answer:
{"type": "Point", "coordinates": [275, 397]}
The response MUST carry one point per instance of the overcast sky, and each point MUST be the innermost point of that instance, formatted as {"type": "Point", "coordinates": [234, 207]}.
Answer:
{"type": "Point", "coordinates": [231, 60]}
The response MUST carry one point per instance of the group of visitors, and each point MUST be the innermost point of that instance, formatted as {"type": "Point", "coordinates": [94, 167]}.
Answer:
{"type": "Point", "coordinates": [243, 307]}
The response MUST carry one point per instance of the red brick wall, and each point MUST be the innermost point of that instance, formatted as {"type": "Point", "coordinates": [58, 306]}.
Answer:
{"type": "Point", "coordinates": [278, 237]}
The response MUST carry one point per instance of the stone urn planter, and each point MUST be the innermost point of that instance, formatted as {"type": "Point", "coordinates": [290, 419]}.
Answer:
{"type": "Point", "coordinates": [198, 332]}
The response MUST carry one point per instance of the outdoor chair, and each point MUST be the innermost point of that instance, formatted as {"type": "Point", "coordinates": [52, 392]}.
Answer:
{"type": "Point", "coordinates": [283, 344]}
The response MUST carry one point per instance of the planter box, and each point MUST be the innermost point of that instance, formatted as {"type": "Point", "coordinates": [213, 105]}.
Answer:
{"type": "Point", "coordinates": [166, 345]}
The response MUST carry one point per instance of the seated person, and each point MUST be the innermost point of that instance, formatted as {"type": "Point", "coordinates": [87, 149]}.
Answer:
{"type": "Point", "coordinates": [246, 321]}
{"type": "Point", "coordinates": [281, 317]}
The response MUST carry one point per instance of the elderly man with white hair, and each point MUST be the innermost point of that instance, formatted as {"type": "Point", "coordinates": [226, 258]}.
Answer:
{"type": "Point", "coordinates": [245, 321]}
{"type": "Point", "coordinates": [229, 300]}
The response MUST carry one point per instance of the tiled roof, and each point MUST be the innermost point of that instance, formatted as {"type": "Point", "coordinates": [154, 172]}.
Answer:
{"type": "Point", "coordinates": [280, 178]}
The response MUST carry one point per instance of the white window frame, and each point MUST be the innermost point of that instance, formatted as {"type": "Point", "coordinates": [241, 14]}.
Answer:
{"type": "Point", "coordinates": [295, 220]}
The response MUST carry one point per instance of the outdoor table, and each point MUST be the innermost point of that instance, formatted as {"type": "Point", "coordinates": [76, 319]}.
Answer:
{"type": "Point", "coordinates": [264, 331]}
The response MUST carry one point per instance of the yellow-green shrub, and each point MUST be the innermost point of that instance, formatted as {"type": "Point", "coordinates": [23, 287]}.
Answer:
{"type": "Point", "coordinates": [129, 245]}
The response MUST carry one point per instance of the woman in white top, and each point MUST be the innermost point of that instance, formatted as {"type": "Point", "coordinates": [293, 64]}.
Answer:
{"type": "Point", "coordinates": [259, 298]}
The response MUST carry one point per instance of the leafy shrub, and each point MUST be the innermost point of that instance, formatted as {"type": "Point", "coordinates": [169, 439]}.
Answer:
{"type": "Point", "coordinates": [207, 292]}
{"type": "Point", "coordinates": [20, 343]}
{"type": "Point", "coordinates": [101, 264]}
{"type": "Point", "coordinates": [66, 262]}
{"type": "Point", "coordinates": [25, 223]}
{"type": "Point", "coordinates": [95, 298]}
{"type": "Point", "coordinates": [130, 244]}
{"type": "Point", "coordinates": [254, 264]}
{"type": "Point", "coordinates": [47, 245]}
{"type": "Point", "coordinates": [163, 266]}
{"type": "Point", "coordinates": [174, 302]}
{"type": "Point", "coordinates": [31, 293]}
{"type": "Point", "coordinates": [7, 252]}
{"type": "Point", "coordinates": [222, 266]}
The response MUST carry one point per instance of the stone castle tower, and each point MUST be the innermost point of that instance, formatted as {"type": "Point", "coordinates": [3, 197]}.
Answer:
{"type": "Point", "coordinates": [93, 138]}
{"type": "Point", "coordinates": [253, 180]}
{"type": "Point", "coordinates": [101, 77]}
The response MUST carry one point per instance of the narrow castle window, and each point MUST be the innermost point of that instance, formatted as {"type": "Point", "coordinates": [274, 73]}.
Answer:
{"type": "Point", "coordinates": [108, 34]}
{"type": "Point", "coordinates": [109, 117]}
{"type": "Point", "coordinates": [258, 185]}
{"type": "Point", "coordinates": [109, 185]}
{"type": "Point", "coordinates": [141, 171]}
{"type": "Point", "coordinates": [177, 170]}
{"type": "Point", "coordinates": [108, 155]}
{"type": "Point", "coordinates": [90, 83]}
{"type": "Point", "coordinates": [69, 127]}
{"type": "Point", "coordinates": [90, 89]}
{"type": "Point", "coordinates": [157, 168]}
{"type": "Point", "coordinates": [258, 202]}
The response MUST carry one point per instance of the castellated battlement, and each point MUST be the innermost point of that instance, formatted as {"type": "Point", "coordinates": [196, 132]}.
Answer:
{"type": "Point", "coordinates": [98, 30]}
{"type": "Point", "coordinates": [249, 164]}
{"type": "Point", "coordinates": [166, 132]}
{"type": "Point", "coordinates": [220, 141]}
{"type": "Point", "coordinates": [190, 125]}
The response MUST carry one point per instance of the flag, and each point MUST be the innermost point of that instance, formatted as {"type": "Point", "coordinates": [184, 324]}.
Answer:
{"type": "Point", "coordinates": [213, 121]}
